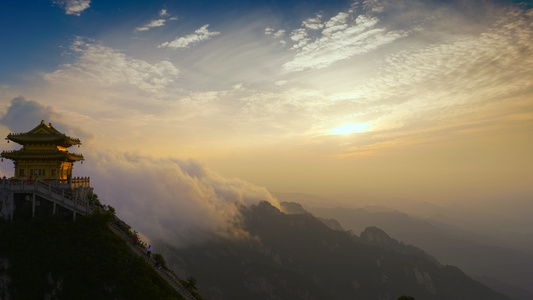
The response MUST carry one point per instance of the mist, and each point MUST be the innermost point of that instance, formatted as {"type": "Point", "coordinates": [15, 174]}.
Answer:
{"type": "Point", "coordinates": [178, 201]}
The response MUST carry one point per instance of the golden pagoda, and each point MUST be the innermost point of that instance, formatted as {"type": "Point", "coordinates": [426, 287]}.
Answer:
{"type": "Point", "coordinates": [44, 154]}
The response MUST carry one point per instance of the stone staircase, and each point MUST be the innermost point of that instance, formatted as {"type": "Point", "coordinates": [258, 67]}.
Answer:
{"type": "Point", "coordinates": [169, 277]}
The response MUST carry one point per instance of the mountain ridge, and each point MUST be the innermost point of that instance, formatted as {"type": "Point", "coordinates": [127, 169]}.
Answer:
{"type": "Point", "coordinates": [472, 252]}
{"type": "Point", "coordinates": [298, 257]}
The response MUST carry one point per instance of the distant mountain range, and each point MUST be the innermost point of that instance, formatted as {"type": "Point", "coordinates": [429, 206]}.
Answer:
{"type": "Point", "coordinates": [296, 256]}
{"type": "Point", "coordinates": [507, 270]}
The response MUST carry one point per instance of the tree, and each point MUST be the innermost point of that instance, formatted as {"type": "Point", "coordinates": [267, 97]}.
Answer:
{"type": "Point", "coordinates": [160, 260]}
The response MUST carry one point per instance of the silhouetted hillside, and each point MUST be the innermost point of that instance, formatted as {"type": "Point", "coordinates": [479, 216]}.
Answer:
{"type": "Point", "coordinates": [298, 257]}
{"type": "Point", "coordinates": [50, 258]}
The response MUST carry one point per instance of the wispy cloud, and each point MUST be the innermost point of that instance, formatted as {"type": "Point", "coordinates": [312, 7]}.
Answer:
{"type": "Point", "coordinates": [341, 37]}
{"type": "Point", "coordinates": [164, 17]}
{"type": "Point", "coordinates": [279, 34]}
{"type": "Point", "coordinates": [152, 24]}
{"type": "Point", "coordinates": [201, 34]}
{"type": "Point", "coordinates": [73, 7]}
{"type": "Point", "coordinates": [107, 67]}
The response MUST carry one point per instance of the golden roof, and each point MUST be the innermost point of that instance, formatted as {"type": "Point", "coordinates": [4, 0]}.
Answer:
{"type": "Point", "coordinates": [24, 154]}
{"type": "Point", "coordinates": [43, 134]}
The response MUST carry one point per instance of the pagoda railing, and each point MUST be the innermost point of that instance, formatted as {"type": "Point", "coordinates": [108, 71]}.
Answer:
{"type": "Point", "coordinates": [80, 181]}
{"type": "Point", "coordinates": [55, 192]}
{"type": "Point", "coordinates": [69, 184]}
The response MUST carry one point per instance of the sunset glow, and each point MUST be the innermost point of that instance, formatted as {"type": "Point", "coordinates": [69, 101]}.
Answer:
{"type": "Point", "coordinates": [281, 97]}
{"type": "Point", "coordinates": [350, 128]}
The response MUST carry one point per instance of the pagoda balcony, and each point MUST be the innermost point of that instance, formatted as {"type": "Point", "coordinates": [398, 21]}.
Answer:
{"type": "Point", "coordinates": [61, 184]}
{"type": "Point", "coordinates": [70, 194]}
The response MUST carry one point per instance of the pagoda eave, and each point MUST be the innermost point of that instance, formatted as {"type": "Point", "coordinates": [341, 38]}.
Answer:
{"type": "Point", "coordinates": [43, 134]}
{"type": "Point", "coordinates": [32, 155]}
{"type": "Point", "coordinates": [36, 139]}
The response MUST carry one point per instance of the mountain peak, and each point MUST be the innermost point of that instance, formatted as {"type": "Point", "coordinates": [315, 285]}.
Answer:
{"type": "Point", "coordinates": [292, 208]}
{"type": "Point", "coordinates": [374, 235]}
{"type": "Point", "coordinates": [265, 206]}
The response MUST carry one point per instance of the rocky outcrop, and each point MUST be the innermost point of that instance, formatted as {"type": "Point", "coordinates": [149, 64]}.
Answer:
{"type": "Point", "coordinates": [292, 208]}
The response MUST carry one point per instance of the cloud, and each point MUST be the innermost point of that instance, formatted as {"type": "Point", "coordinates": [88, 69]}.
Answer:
{"type": "Point", "coordinates": [341, 37]}
{"type": "Point", "coordinates": [73, 7]}
{"type": "Point", "coordinates": [158, 22]}
{"type": "Point", "coordinates": [278, 35]}
{"type": "Point", "coordinates": [299, 36]}
{"type": "Point", "coordinates": [406, 92]}
{"type": "Point", "coordinates": [313, 23]}
{"type": "Point", "coordinates": [23, 115]}
{"type": "Point", "coordinates": [106, 67]}
{"type": "Point", "coordinates": [178, 201]}
{"type": "Point", "coordinates": [464, 85]}
{"type": "Point", "coordinates": [201, 34]}
{"type": "Point", "coordinates": [373, 5]}
{"type": "Point", "coordinates": [152, 24]}
{"type": "Point", "coordinates": [269, 31]}
{"type": "Point", "coordinates": [22, 112]}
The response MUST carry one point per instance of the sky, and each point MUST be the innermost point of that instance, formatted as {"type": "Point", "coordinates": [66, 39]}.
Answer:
{"type": "Point", "coordinates": [212, 101]}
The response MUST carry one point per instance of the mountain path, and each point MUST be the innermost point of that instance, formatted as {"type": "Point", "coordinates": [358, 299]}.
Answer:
{"type": "Point", "coordinates": [169, 277]}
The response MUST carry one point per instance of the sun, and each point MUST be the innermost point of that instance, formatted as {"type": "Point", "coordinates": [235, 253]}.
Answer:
{"type": "Point", "coordinates": [350, 128]}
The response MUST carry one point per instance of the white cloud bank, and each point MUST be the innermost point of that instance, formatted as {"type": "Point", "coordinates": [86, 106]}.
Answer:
{"type": "Point", "coordinates": [73, 7]}
{"type": "Point", "coordinates": [178, 201]}
{"type": "Point", "coordinates": [201, 34]}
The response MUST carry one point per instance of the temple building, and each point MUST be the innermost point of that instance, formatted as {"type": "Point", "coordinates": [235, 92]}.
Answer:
{"type": "Point", "coordinates": [43, 174]}
{"type": "Point", "coordinates": [44, 154]}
